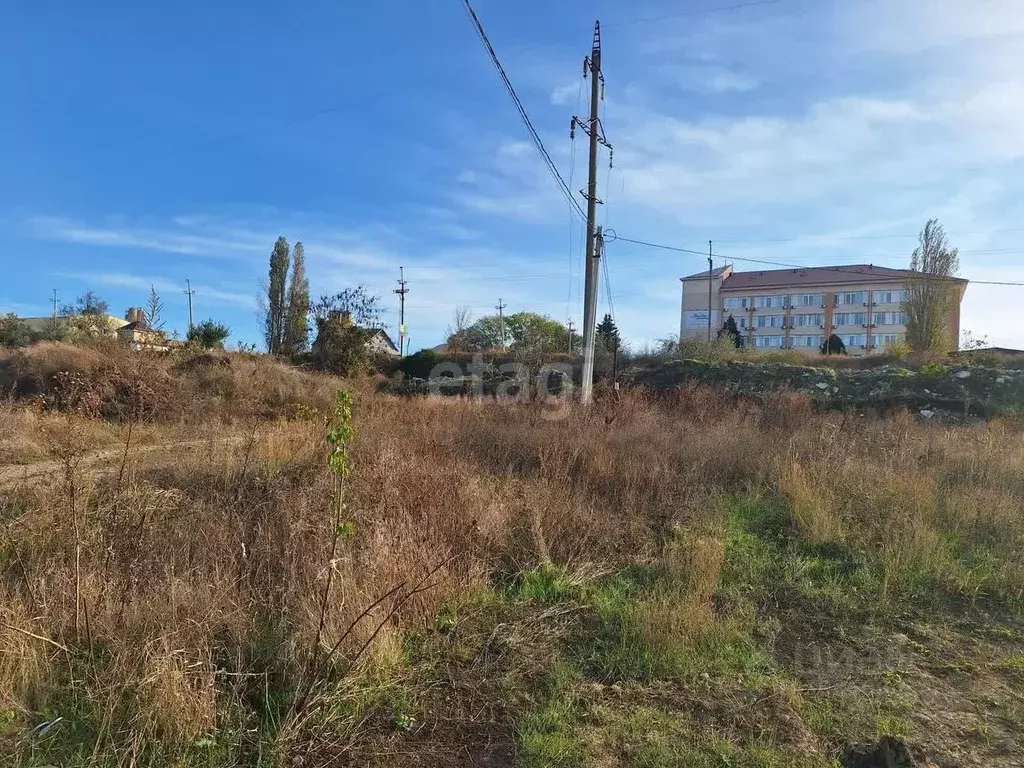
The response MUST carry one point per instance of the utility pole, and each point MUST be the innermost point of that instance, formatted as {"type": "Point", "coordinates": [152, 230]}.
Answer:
{"type": "Point", "coordinates": [54, 303]}
{"type": "Point", "coordinates": [190, 293]}
{"type": "Point", "coordinates": [571, 329]}
{"type": "Point", "coordinates": [711, 274]}
{"type": "Point", "coordinates": [500, 306]}
{"type": "Point", "coordinates": [595, 240]}
{"type": "Point", "coordinates": [401, 290]}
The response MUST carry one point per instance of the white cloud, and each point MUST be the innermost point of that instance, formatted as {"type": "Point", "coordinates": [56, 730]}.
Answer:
{"type": "Point", "coordinates": [994, 311]}
{"type": "Point", "coordinates": [566, 94]}
{"type": "Point", "coordinates": [708, 79]}
{"type": "Point", "coordinates": [205, 293]}
{"type": "Point", "coordinates": [169, 241]}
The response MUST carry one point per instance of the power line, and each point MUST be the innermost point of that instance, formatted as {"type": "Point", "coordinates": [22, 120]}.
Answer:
{"type": "Point", "coordinates": [862, 237]}
{"type": "Point", "coordinates": [844, 270]}
{"type": "Point", "coordinates": [697, 12]}
{"type": "Point", "coordinates": [563, 187]}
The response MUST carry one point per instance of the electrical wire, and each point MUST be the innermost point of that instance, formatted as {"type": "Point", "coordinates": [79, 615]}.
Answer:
{"type": "Point", "coordinates": [844, 270]}
{"type": "Point", "coordinates": [697, 12]}
{"type": "Point", "coordinates": [572, 171]}
{"type": "Point", "coordinates": [862, 237]}
{"type": "Point", "coordinates": [552, 168]}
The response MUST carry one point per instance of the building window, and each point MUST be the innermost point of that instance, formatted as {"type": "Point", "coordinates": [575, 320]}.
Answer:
{"type": "Point", "coordinates": [771, 302]}
{"type": "Point", "coordinates": [859, 318]}
{"type": "Point", "coordinates": [737, 302]}
{"type": "Point", "coordinates": [771, 321]}
{"type": "Point", "coordinates": [857, 297]}
{"type": "Point", "coordinates": [806, 342]}
{"type": "Point", "coordinates": [769, 341]}
{"type": "Point", "coordinates": [855, 340]}
{"type": "Point", "coordinates": [809, 300]}
{"type": "Point", "coordinates": [889, 297]}
{"type": "Point", "coordinates": [814, 321]}
{"type": "Point", "coordinates": [841, 318]}
{"type": "Point", "coordinates": [884, 339]}
{"type": "Point", "coordinates": [890, 318]}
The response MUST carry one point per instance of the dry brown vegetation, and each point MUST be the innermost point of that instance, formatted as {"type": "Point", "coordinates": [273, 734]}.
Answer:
{"type": "Point", "coordinates": [643, 583]}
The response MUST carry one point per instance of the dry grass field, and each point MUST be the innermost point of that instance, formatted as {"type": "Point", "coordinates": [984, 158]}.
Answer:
{"type": "Point", "coordinates": [201, 566]}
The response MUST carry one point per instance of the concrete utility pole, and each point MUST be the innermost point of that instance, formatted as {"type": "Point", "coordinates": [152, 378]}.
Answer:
{"type": "Point", "coordinates": [500, 306]}
{"type": "Point", "coordinates": [711, 276]}
{"type": "Point", "coordinates": [190, 293]}
{"type": "Point", "coordinates": [571, 329]}
{"type": "Point", "coordinates": [593, 129]}
{"type": "Point", "coordinates": [401, 290]}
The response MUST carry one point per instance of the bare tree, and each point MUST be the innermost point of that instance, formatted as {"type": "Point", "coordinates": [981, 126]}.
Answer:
{"type": "Point", "coordinates": [930, 293]}
{"type": "Point", "coordinates": [462, 319]}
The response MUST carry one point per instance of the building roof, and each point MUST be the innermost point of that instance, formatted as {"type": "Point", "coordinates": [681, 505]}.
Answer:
{"type": "Point", "coordinates": [716, 272]}
{"type": "Point", "coordinates": [854, 274]}
{"type": "Point", "coordinates": [381, 332]}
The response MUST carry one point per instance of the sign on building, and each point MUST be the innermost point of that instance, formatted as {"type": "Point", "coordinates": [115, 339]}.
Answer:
{"type": "Point", "coordinates": [695, 321]}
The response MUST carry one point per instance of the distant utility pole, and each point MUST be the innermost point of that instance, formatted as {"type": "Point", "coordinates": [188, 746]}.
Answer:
{"type": "Point", "coordinates": [571, 329]}
{"type": "Point", "coordinates": [190, 293]}
{"type": "Point", "coordinates": [711, 275]}
{"type": "Point", "coordinates": [501, 322]}
{"type": "Point", "coordinates": [594, 130]}
{"type": "Point", "coordinates": [401, 290]}
{"type": "Point", "coordinates": [54, 303]}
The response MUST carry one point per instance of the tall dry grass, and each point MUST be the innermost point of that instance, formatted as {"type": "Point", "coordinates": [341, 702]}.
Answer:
{"type": "Point", "coordinates": [177, 604]}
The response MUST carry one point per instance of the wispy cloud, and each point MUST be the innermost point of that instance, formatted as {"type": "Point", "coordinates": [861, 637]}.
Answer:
{"type": "Point", "coordinates": [142, 284]}
{"type": "Point", "coordinates": [166, 240]}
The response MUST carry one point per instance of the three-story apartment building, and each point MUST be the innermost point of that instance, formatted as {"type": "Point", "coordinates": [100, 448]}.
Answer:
{"type": "Point", "coordinates": [800, 308]}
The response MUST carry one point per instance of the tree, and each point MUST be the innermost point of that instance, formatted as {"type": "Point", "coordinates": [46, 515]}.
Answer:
{"type": "Point", "coordinates": [456, 338]}
{"type": "Point", "coordinates": [296, 331]}
{"type": "Point", "coordinates": [930, 293]}
{"type": "Point", "coordinates": [528, 332]}
{"type": "Point", "coordinates": [361, 307]}
{"type": "Point", "coordinates": [86, 304]}
{"type": "Point", "coordinates": [608, 334]}
{"type": "Point", "coordinates": [343, 325]}
{"type": "Point", "coordinates": [833, 346]}
{"type": "Point", "coordinates": [277, 308]}
{"type": "Point", "coordinates": [485, 333]}
{"type": "Point", "coordinates": [13, 332]}
{"type": "Point", "coordinates": [154, 311]}
{"type": "Point", "coordinates": [537, 333]}
{"type": "Point", "coordinates": [968, 340]}
{"type": "Point", "coordinates": [209, 334]}
{"type": "Point", "coordinates": [731, 331]}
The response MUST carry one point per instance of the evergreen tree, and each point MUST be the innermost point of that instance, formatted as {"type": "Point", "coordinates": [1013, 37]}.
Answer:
{"type": "Point", "coordinates": [277, 308]}
{"type": "Point", "coordinates": [209, 334]}
{"type": "Point", "coordinates": [296, 332]}
{"type": "Point", "coordinates": [608, 334]}
{"type": "Point", "coordinates": [731, 331]}
{"type": "Point", "coordinates": [155, 311]}
{"type": "Point", "coordinates": [833, 346]}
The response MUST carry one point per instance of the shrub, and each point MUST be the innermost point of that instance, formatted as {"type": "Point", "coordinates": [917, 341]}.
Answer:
{"type": "Point", "coordinates": [420, 364]}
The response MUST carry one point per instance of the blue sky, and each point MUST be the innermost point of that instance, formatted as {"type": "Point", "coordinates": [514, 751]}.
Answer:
{"type": "Point", "coordinates": [145, 145]}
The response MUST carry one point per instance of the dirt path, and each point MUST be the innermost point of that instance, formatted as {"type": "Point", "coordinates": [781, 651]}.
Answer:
{"type": "Point", "coordinates": [98, 462]}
